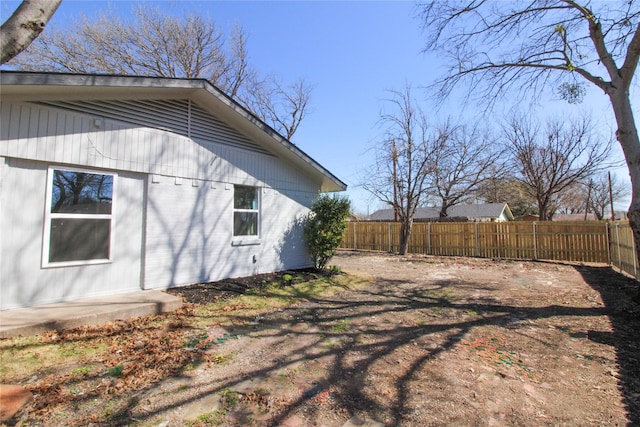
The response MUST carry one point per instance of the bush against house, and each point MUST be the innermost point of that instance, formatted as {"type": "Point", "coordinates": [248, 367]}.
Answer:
{"type": "Point", "coordinates": [325, 226]}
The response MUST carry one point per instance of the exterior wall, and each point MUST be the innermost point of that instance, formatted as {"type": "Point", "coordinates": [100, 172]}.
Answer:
{"type": "Point", "coordinates": [23, 282]}
{"type": "Point", "coordinates": [174, 211]}
{"type": "Point", "coordinates": [190, 227]}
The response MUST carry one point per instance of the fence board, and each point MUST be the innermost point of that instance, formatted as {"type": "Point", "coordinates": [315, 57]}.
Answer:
{"type": "Point", "coordinates": [623, 255]}
{"type": "Point", "coordinates": [578, 241]}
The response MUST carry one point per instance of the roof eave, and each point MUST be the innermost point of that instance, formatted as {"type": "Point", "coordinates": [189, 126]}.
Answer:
{"type": "Point", "coordinates": [56, 86]}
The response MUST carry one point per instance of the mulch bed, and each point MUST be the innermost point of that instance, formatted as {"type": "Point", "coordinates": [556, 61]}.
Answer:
{"type": "Point", "coordinates": [222, 290]}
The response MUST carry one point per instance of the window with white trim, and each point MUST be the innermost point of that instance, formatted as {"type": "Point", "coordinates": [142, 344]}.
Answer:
{"type": "Point", "coordinates": [78, 217]}
{"type": "Point", "coordinates": [246, 211]}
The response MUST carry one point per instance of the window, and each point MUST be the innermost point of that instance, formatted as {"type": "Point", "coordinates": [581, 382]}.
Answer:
{"type": "Point", "coordinates": [246, 209]}
{"type": "Point", "coordinates": [79, 217]}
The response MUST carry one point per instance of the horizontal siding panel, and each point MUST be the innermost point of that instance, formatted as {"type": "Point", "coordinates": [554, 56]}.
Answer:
{"type": "Point", "coordinates": [177, 116]}
{"type": "Point", "coordinates": [206, 127]}
{"type": "Point", "coordinates": [165, 114]}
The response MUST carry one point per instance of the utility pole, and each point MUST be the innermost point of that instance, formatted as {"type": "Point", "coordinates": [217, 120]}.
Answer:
{"type": "Point", "coordinates": [586, 211]}
{"type": "Point", "coordinates": [394, 159]}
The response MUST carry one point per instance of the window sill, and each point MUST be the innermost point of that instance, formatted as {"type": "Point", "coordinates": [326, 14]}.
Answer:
{"type": "Point", "coordinates": [76, 263]}
{"type": "Point", "coordinates": [246, 241]}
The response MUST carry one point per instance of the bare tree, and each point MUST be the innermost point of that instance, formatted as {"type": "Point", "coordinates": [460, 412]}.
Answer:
{"type": "Point", "coordinates": [552, 158]}
{"type": "Point", "coordinates": [602, 194]}
{"type": "Point", "coordinates": [24, 25]}
{"type": "Point", "coordinates": [572, 200]}
{"type": "Point", "coordinates": [283, 107]}
{"type": "Point", "coordinates": [156, 44]}
{"type": "Point", "coordinates": [403, 161]}
{"type": "Point", "coordinates": [463, 159]}
{"type": "Point", "coordinates": [503, 187]}
{"type": "Point", "coordinates": [503, 48]}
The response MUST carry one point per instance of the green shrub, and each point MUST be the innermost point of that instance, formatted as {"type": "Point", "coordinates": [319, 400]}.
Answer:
{"type": "Point", "coordinates": [115, 371]}
{"type": "Point", "coordinates": [324, 228]}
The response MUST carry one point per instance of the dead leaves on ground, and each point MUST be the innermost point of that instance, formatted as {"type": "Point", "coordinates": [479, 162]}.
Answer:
{"type": "Point", "coordinates": [139, 353]}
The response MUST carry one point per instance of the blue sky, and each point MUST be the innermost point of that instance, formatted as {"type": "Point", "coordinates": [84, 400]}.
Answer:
{"type": "Point", "coordinates": [351, 52]}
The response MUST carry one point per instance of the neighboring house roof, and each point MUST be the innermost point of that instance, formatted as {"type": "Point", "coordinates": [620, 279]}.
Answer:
{"type": "Point", "coordinates": [29, 86]}
{"type": "Point", "coordinates": [472, 212]}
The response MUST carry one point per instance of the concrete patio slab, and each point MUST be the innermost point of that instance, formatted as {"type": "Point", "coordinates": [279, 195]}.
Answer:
{"type": "Point", "coordinates": [90, 311]}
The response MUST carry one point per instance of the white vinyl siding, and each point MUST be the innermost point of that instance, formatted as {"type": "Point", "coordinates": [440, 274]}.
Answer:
{"type": "Point", "coordinates": [23, 283]}
{"type": "Point", "coordinates": [54, 135]}
{"type": "Point", "coordinates": [189, 236]}
{"type": "Point", "coordinates": [173, 222]}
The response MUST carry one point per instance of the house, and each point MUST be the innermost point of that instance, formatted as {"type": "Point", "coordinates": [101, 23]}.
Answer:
{"type": "Point", "coordinates": [468, 212]}
{"type": "Point", "coordinates": [111, 184]}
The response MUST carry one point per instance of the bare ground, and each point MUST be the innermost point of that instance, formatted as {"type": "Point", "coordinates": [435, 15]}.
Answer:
{"type": "Point", "coordinates": [423, 341]}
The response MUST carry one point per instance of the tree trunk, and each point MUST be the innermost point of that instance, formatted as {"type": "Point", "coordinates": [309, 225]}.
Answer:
{"type": "Point", "coordinates": [26, 23]}
{"type": "Point", "coordinates": [405, 235]}
{"type": "Point", "coordinates": [543, 210]}
{"type": "Point", "coordinates": [627, 135]}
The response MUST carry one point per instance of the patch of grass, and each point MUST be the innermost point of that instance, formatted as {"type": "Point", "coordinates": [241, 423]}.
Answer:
{"type": "Point", "coordinates": [341, 326]}
{"type": "Point", "coordinates": [110, 409]}
{"type": "Point", "coordinates": [271, 298]}
{"type": "Point", "coordinates": [81, 371]}
{"type": "Point", "coordinates": [446, 294]}
{"type": "Point", "coordinates": [191, 366]}
{"type": "Point", "coordinates": [229, 398]}
{"type": "Point", "coordinates": [213, 418]}
{"type": "Point", "coordinates": [219, 358]}
{"type": "Point", "coordinates": [24, 357]}
{"type": "Point", "coordinates": [330, 343]}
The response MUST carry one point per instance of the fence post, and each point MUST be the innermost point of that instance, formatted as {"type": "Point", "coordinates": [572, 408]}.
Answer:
{"type": "Point", "coordinates": [355, 236]}
{"type": "Point", "coordinates": [429, 238]}
{"type": "Point", "coordinates": [477, 243]}
{"type": "Point", "coordinates": [608, 240]}
{"type": "Point", "coordinates": [535, 241]}
{"type": "Point", "coordinates": [618, 243]}
{"type": "Point", "coordinates": [634, 256]}
{"type": "Point", "coordinates": [389, 236]}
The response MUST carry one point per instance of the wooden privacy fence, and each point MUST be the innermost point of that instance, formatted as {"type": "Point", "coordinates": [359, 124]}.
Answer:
{"type": "Point", "coordinates": [583, 241]}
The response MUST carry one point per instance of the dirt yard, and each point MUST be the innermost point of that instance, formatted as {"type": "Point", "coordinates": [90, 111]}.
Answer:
{"type": "Point", "coordinates": [420, 341]}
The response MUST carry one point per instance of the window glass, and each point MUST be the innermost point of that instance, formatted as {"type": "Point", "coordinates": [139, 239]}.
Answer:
{"type": "Point", "coordinates": [245, 198]}
{"type": "Point", "coordinates": [245, 211]}
{"type": "Point", "coordinates": [79, 239]}
{"type": "Point", "coordinates": [79, 217]}
{"type": "Point", "coordinates": [81, 193]}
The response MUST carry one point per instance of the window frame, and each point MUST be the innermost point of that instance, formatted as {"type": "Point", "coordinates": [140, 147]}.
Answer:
{"type": "Point", "coordinates": [241, 240]}
{"type": "Point", "coordinates": [49, 216]}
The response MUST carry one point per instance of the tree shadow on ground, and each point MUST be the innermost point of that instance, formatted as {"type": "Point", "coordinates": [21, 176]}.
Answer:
{"type": "Point", "coordinates": [352, 335]}
{"type": "Point", "coordinates": [617, 292]}
{"type": "Point", "coordinates": [373, 318]}
{"type": "Point", "coordinates": [405, 326]}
